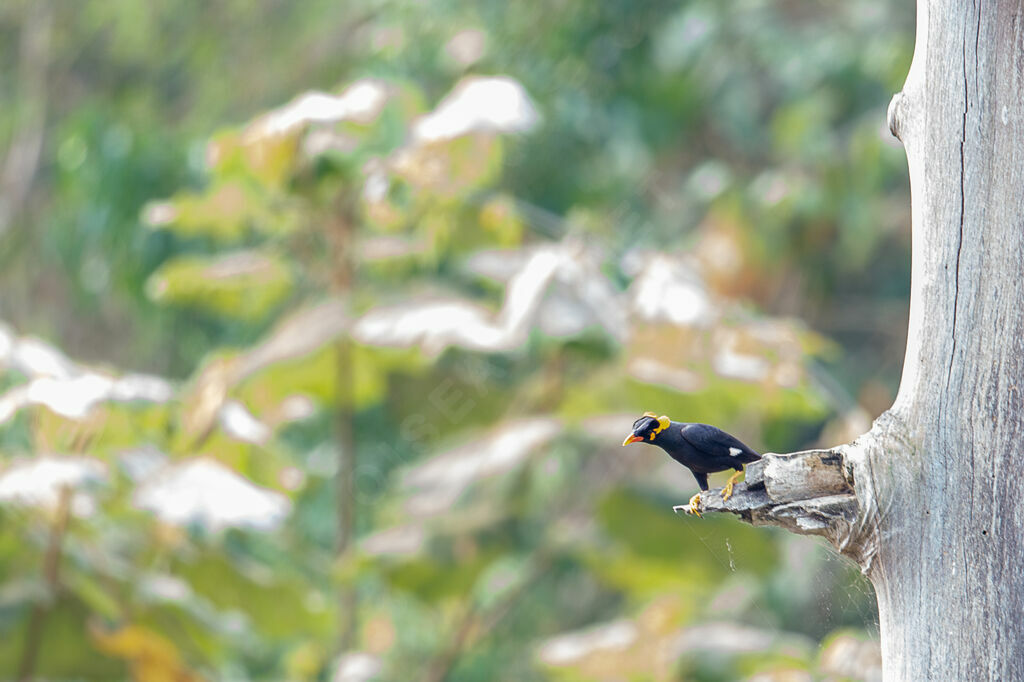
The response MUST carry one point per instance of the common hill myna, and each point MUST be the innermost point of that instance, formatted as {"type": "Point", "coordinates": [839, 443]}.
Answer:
{"type": "Point", "coordinates": [701, 448]}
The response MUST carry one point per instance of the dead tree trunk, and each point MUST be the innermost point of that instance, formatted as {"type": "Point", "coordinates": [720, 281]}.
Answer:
{"type": "Point", "coordinates": [930, 502]}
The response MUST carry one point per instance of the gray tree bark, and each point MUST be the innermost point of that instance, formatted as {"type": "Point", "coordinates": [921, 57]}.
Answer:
{"type": "Point", "coordinates": [930, 502]}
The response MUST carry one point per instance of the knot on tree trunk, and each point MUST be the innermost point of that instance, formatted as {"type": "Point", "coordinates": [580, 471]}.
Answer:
{"type": "Point", "coordinates": [896, 115]}
{"type": "Point", "coordinates": [809, 492]}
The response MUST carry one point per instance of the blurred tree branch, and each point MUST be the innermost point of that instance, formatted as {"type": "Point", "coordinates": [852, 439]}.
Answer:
{"type": "Point", "coordinates": [342, 235]}
{"type": "Point", "coordinates": [51, 576]}
{"type": "Point", "coordinates": [22, 159]}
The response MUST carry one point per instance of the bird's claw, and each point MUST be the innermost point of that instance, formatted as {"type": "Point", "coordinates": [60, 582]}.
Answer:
{"type": "Point", "coordinates": [727, 491]}
{"type": "Point", "coordinates": [692, 507]}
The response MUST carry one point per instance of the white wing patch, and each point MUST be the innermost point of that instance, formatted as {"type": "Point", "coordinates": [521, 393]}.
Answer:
{"type": "Point", "coordinates": [735, 452]}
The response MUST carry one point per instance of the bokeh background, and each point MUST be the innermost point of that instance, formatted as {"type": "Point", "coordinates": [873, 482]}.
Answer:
{"type": "Point", "coordinates": [323, 322]}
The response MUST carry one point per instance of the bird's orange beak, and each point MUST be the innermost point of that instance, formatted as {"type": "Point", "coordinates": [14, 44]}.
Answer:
{"type": "Point", "coordinates": [631, 439]}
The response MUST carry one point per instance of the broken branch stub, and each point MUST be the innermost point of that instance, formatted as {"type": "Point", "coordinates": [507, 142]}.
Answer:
{"type": "Point", "coordinates": [809, 492]}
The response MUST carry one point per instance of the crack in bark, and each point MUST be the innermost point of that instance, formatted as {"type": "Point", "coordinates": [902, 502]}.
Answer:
{"type": "Point", "coordinates": [963, 173]}
{"type": "Point", "coordinates": [977, 40]}
{"type": "Point", "coordinates": [963, 197]}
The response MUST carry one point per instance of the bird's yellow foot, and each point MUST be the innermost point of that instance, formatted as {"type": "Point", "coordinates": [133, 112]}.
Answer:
{"type": "Point", "coordinates": [727, 490]}
{"type": "Point", "coordinates": [693, 507]}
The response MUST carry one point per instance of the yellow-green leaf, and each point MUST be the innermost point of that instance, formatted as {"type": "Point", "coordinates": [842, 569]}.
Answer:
{"type": "Point", "coordinates": [243, 284]}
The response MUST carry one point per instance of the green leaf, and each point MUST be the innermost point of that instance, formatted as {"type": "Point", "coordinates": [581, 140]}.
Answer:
{"type": "Point", "coordinates": [275, 601]}
{"type": "Point", "coordinates": [434, 580]}
{"type": "Point", "coordinates": [244, 285]}
{"type": "Point", "coordinates": [92, 593]}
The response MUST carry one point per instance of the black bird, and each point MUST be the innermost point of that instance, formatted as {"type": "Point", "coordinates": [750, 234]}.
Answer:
{"type": "Point", "coordinates": [701, 448]}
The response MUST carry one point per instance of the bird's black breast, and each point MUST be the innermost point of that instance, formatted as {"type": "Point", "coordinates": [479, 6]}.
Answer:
{"type": "Point", "coordinates": [704, 448]}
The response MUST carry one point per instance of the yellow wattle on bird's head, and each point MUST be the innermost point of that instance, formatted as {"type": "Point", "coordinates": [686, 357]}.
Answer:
{"type": "Point", "coordinates": [647, 427]}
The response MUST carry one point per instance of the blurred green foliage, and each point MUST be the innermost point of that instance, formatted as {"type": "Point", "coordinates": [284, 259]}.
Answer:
{"type": "Point", "coordinates": [487, 237]}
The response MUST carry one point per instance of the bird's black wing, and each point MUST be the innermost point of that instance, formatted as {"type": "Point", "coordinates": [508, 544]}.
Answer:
{"type": "Point", "coordinates": [714, 442]}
